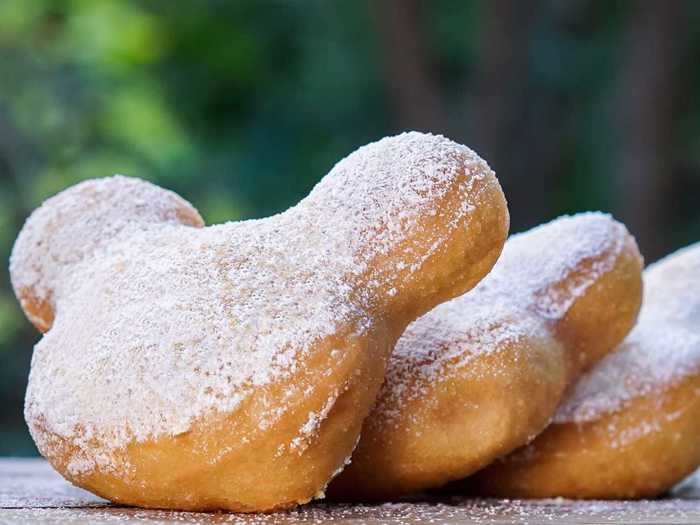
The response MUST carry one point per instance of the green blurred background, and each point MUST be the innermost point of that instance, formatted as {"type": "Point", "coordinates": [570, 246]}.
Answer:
{"type": "Point", "coordinates": [241, 106]}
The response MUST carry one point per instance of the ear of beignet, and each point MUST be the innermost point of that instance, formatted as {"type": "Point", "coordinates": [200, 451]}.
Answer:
{"type": "Point", "coordinates": [594, 300]}
{"type": "Point", "coordinates": [605, 313]}
{"type": "Point", "coordinates": [434, 232]}
{"type": "Point", "coordinates": [96, 212]}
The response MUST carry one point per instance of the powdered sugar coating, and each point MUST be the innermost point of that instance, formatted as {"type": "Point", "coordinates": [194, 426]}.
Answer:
{"type": "Point", "coordinates": [663, 348]}
{"type": "Point", "coordinates": [97, 215]}
{"type": "Point", "coordinates": [159, 323]}
{"type": "Point", "coordinates": [534, 283]}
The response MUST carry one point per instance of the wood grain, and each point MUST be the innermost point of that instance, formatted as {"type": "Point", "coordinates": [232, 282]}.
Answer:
{"type": "Point", "coordinates": [31, 492]}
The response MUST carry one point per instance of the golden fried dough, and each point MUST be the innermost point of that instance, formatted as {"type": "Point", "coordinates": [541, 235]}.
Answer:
{"type": "Point", "coordinates": [630, 427]}
{"type": "Point", "coordinates": [231, 367]}
{"type": "Point", "coordinates": [483, 374]}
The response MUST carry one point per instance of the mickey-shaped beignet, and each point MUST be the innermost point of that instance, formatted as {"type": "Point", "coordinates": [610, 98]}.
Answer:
{"type": "Point", "coordinates": [631, 426]}
{"type": "Point", "coordinates": [482, 374]}
{"type": "Point", "coordinates": [230, 367]}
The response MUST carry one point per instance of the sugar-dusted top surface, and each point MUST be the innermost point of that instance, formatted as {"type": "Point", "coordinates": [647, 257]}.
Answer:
{"type": "Point", "coordinates": [663, 348]}
{"type": "Point", "coordinates": [159, 323]}
{"type": "Point", "coordinates": [538, 277]}
{"type": "Point", "coordinates": [85, 219]}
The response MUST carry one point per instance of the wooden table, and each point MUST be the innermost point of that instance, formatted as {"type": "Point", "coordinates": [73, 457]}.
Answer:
{"type": "Point", "coordinates": [31, 492]}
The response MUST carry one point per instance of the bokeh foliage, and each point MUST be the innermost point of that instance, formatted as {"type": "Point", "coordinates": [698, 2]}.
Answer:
{"type": "Point", "coordinates": [241, 106]}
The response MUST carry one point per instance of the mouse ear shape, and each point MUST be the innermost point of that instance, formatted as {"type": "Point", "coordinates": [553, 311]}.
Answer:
{"type": "Point", "coordinates": [74, 224]}
{"type": "Point", "coordinates": [581, 273]}
{"type": "Point", "coordinates": [425, 218]}
{"type": "Point", "coordinates": [595, 290]}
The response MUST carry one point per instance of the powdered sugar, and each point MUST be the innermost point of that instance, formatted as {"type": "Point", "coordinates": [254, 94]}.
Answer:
{"type": "Point", "coordinates": [308, 430]}
{"type": "Point", "coordinates": [159, 323]}
{"type": "Point", "coordinates": [664, 346]}
{"type": "Point", "coordinates": [97, 215]}
{"type": "Point", "coordinates": [538, 277]}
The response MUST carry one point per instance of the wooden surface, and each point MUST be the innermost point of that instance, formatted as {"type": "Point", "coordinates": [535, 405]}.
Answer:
{"type": "Point", "coordinates": [31, 492]}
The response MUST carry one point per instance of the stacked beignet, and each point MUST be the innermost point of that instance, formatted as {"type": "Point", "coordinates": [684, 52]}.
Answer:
{"type": "Point", "coordinates": [631, 426]}
{"type": "Point", "coordinates": [483, 374]}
